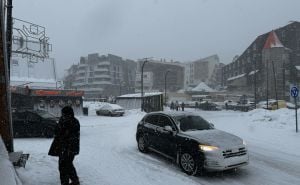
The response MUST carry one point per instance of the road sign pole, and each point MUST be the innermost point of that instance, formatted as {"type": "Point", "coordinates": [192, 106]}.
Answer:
{"type": "Point", "coordinates": [296, 114]}
{"type": "Point", "coordinates": [295, 93]}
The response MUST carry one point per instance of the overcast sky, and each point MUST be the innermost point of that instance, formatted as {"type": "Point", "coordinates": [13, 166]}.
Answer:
{"type": "Point", "coordinates": [182, 30]}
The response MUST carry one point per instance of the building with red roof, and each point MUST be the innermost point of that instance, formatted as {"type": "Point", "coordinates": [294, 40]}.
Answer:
{"type": "Point", "coordinates": [269, 65]}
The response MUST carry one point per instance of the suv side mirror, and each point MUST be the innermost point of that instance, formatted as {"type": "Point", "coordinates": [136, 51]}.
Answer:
{"type": "Point", "coordinates": [168, 128]}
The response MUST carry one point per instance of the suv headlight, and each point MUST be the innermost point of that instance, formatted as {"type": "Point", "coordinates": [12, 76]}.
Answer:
{"type": "Point", "coordinates": [244, 142]}
{"type": "Point", "coordinates": [208, 148]}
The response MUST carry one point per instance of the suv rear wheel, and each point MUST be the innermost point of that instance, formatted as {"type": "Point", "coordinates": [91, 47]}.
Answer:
{"type": "Point", "coordinates": [142, 145]}
{"type": "Point", "coordinates": [188, 163]}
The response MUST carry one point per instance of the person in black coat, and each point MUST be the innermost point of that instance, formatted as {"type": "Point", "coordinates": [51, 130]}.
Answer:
{"type": "Point", "coordinates": [182, 106]}
{"type": "Point", "coordinates": [66, 145]}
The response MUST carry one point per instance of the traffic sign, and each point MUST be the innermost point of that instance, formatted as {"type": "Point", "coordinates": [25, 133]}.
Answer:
{"type": "Point", "coordinates": [294, 92]}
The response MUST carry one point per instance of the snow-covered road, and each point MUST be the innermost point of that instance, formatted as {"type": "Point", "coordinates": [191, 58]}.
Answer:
{"type": "Point", "coordinates": [109, 155]}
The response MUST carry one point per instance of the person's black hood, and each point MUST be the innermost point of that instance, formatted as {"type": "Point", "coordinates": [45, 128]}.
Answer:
{"type": "Point", "coordinates": [67, 111]}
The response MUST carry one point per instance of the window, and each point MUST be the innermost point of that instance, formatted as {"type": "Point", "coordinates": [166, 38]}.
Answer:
{"type": "Point", "coordinates": [283, 35]}
{"type": "Point", "coordinates": [191, 122]}
{"type": "Point", "coordinates": [254, 47]}
{"type": "Point", "coordinates": [165, 121]}
{"type": "Point", "coordinates": [152, 119]}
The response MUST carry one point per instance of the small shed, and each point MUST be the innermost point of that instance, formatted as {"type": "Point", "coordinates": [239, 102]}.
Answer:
{"type": "Point", "coordinates": [152, 101]}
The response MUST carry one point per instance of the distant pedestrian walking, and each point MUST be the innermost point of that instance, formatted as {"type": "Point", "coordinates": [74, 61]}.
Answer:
{"type": "Point", "coordinates": [182, 106]}
{"type": "Point", "coordinates": [176, 105]}
{"type": "Point", "coordinates": [196, 105]}
{"type": "Point", "coordinates": [66, 145]}
{"type": "Point", "coordinates": [172, 105]}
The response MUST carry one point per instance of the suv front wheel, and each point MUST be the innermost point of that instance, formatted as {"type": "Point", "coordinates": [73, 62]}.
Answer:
{"type": "Point", "coordinates": [188, 163]}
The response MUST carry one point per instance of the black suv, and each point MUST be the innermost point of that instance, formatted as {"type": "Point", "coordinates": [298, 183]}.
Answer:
{"type": "Point", "coordinates": [191, 141]}
{"type": "Point", "coordinates": [30, 123]}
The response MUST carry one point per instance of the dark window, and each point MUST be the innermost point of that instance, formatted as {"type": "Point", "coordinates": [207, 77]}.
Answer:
{"type": "Point", "coordinates": [152, 119]}
{"type": "Point", "coordinates": [165, 121]}
{"type": "Point", "coordinates": [188, 123]}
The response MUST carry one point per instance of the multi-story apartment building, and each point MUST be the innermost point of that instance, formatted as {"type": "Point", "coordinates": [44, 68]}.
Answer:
{"type": "Point", "coordinates": [203, 70]}
{"type": "Point", "coordinates": [102, 76]}
{"type": "Point", "coordinates": [268, 67]}
{"type": "Point", "coordinates": [154, 74]}
{"type": "Point", "coordinates": [147, 82]}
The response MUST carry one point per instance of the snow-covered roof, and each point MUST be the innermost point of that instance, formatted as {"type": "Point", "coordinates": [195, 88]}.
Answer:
{"type": "Point", "coordinates": [253, 72]}
{"type": "Point", "coordinates": [199, 96]}
{"type": "Point", "coordinates": [30, 79]}
{"type": "Point", "coordinates": [236, 77]}
{"type": "Point", "coordinates": [273, 41]}
{"type": "Point", "coordinates": [138, 95]}
{"type": "Point", "coordinates": [298, 67]}
{"type": "Point", "coordinates": [203, 88]}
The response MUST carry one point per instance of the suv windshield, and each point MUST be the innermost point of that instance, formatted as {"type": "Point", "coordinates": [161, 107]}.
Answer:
{"type": "Point", "coordinates": [190, 122]}
{"type": "Point", "coordinates": [45, 115]}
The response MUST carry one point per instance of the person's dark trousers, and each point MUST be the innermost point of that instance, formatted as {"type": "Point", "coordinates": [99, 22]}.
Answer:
{"type": "Point", "coordinates": [67, 170]}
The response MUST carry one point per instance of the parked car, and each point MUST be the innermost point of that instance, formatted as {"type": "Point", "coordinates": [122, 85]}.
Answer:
{"type": "Point", "coordinates": [272, 104]}
{"type": "Point", "coordinates": [290, 105]}
{"type": "Point", "coordinates": [110, 110]}
{"type": "Point", "coordinates": [191, 141]}
{"type": "Point", "coordinates": [281, 104]}
{"type": "Point", "coordinates": [31, 123]}
{"type": "Point", "coordinates": [206, 105]}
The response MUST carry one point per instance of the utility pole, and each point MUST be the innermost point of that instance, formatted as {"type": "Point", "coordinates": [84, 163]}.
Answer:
{"type": "Point", "coordinates": [9, 31]}
{"type": "Point", "coordinates": [142, 82]}
{"type": "Point", "coordinates": [267, 84]}
{"type": "Point", "coordinates": [5, 109]}
{"type": "Point", "coordinates": [166, 74]}
{"type": "Point", "coordinates": [255, 100]}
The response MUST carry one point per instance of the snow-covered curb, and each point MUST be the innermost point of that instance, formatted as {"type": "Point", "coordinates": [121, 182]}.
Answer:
{"type": "Point", "coordinates": [8, 174]}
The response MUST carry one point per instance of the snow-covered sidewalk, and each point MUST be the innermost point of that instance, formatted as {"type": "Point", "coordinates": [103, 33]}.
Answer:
{"type": "Point", "coordinates": [8, 174]}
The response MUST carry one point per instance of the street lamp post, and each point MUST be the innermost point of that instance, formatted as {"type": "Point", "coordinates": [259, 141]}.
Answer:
{"type": "Point", "coordinates": [255, 100]}
{"type": "Point", "coordinates": [166, 74]}
{"type": "Point", "coordinates": [142, 83]}
{"type": "Point", "coordinates": [122, 83]}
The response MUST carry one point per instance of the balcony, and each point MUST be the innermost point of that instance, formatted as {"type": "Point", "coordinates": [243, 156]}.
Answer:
{"type": "Point", "coordinates": [78, 83]}
{"type": "Point", "coordinates": [101, 83]}
{"type": "Point", "coordinates": [102, 76]}
{"type": "Point", "coordinates": [101, 69]}
{"type": "Point", "coordinates": [79, 77]}
{"type": "Point", "coordinates": [80, 70]}
{"type": "Point", "coordinates": [106, 63]}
